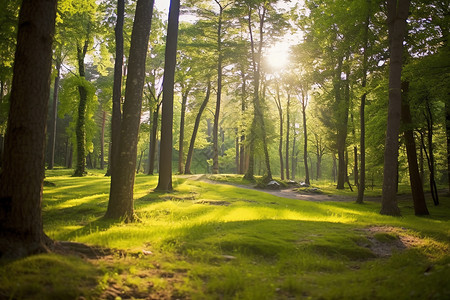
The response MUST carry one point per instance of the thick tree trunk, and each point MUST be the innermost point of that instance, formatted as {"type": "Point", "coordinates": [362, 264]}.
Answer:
{"type": "Point", "coordinates": [52, 138]}
{"type": "Point", "coordinates": [187, 167]}
{"type": "Point", "coordinates": [420, 206]}
{"type": "Point", "coordinates": [181, 136]}
{"type": "Point", "coordinates": [165, 159]}
{"type": "Point", "coordinates": [21, 179]}
{"type": "Point", "coordinates": [117, 88]}
{"type": "Point", "coordinates": [397, 13]}
{"type": "Point", "coordinates": [120, 203]}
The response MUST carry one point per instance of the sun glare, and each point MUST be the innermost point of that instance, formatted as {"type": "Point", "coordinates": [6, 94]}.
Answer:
{"type": "Point", "coordinates": [277, 57]}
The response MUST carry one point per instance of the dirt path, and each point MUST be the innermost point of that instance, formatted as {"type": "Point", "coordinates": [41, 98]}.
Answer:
{"type": "Point", "coordinates": [289, 193]}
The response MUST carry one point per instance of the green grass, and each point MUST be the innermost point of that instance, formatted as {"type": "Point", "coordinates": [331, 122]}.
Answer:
{"type": "Point", "coordinates": [216, 241]}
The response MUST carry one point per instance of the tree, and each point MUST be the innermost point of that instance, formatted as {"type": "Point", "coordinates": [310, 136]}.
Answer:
{"type": "Point", "coordinates": [165, 159]}
{"type": "Point", "coordinates": [420, 206]}
{"type": "Point", "coordinates": [397, 14]}
{"type": "Point", "coordinates": [117, 87]}
{"type": "Point", "coordinates": [52, 138]}
{"type": "Point", "coordinates": [21, 179]}
{"type": "Point", "coordinates": [187, 166]}
{"type": "Point", "coordinates": [120, 203]}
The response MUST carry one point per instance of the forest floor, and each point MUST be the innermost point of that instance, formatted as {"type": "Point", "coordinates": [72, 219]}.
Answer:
{"type": "Point", "coordinates": [216, 240]}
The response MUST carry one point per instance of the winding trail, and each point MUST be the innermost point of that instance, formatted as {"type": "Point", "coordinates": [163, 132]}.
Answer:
{"type": "Point", "coordinates": [290, 193]}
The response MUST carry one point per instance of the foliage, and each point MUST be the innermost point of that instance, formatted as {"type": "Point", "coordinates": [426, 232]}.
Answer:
{"type": "Point", "coordinates": [69, 99]}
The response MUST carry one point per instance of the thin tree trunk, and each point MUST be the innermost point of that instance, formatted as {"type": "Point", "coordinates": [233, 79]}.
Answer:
{"type": "Point", "coordinates": [420, 206]}
{"type": "Point", "coordinates": [120, 203]}
{"type": "Point", "coordinates": [447, 131]}
{"type": "Point", "coordinates": [294, 157]}
{"type": "Point", "coordinates": [187, 167]}
{"type": "Point", "coordinates": [362, 119]}
{"type": "Point", "coordinates": [181, 136]}
{"type": "Point", "coordinates": [153, 144]}
{"type": "Point", "coordinates": [242, 154]}
{"type": "Point", "coordinates": [288, 126]}
{"type": "Point", "coordinates": [52, 138]}
{"type": "Point", "coordinates": [397, 13]}
{"type": "Point", "coordinates": [22, 176]}
{"type": "Point", "coordinates": [165, 159]}
{"type": "Point", "coordinates": [305, 134]}
{"type": "Point", "coordinates": [431, 164]}
{"type": "Point", "coordinates": [80, 129]}
{"type": "Point", "coordinates": [215, 166]}
{"type": "Point", "coordinates": [102, 142]}
{"type": "Point", "coordinates": [280, 116]}
{"type": "Point", "coordinates": [341, 127]}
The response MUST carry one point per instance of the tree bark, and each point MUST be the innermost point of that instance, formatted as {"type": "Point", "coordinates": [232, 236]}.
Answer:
{"type": "Point", "coordinates": [102, 142]}
{"type": "Point", "coordinates": [117, 87]}
{"type": "Point", "coordinates": [342, 117]}
{"type": "Point", "coordinates": [152, 151]}
{"type": "Point", "coordinates": [52, 138]}
{"type": "Point", "coordinates": [165, 159]}
{"type": "Point", "coordinates": [181, 137]}
{"type": "Point", "coordinates": [397, 13]}
{"type": "Point", "coordinates": [280, 145]}
{"type": "Point", "coordinates": [420, 206]}
{"type": "Point", "coordinates": [430, 157]}
{"type": "Point", "coordinates": [288, 126]}
{"type": "Point", "coordinates": [21, 179]}
{"type": "Point", "coordinates": [215, 166]}
{"type": "Point", "coordinates": [305, 134]}
{"type": "Point", "coordinates": [80, 129]}
{"type": "Point", "coordinates": [187, 167]}
{"type": "Point", "coordinates": [120, 205]}
{"type": "Point", "coordinates": [362, 107]}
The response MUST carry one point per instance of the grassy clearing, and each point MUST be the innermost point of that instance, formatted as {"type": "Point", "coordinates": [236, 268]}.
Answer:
{"type": "Point", "coordinates": [216, 241]}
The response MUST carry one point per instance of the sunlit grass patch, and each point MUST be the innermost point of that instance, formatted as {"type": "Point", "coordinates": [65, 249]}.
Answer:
{"type": "Point", "coordinates": [213, 240]}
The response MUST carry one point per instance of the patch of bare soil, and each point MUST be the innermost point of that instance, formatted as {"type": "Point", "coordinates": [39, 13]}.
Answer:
{"type": "Point", "coordinates": [118, 287]}
{"type": "Point", "coordinates": [385, 240]}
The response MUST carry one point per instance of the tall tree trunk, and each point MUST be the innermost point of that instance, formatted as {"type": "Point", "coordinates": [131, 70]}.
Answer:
{"type": "Point", "coordinates": [215, 166]}
{"type": "Point", "coordinates": [305, 134]}
{"type": "Point", "coordinates": [447, 131]}
{"type": "Point", "coordinates": [334, 168]}
{"type": "Point", "coordinates": [165, 159]}
{"type": "Point", "coordinates": [181, 136]}
{"type": "Point", "coordinates": [102, 142]}
{"type": "Point", "coordinates": [187, 167]}
{"type": "Point", "coordinates": [280, 145]}
{"type": "Point", "coordinates": [397, 13]}
{"type": "Point", "coordinates": [430, 157]}
{"type": "Point", "coordinates": [420, 206]}
{"type": "Point", "coordinates": [341, 127]}
{"type": "Point", "coordinates": [153, 144]}
{"type": "Point", "coordinates": [242, 154]}
{"type": "Point", "coordinates": [120, 203]}
{"type": "Point", "coordinates": [117, 88]}
{"type": "Point", "coordinates": [22, 176]}
{"type": "Point", "coordinates": [80, 128]}
{"type": "Point", "coordinates": [52, 138]}
{"type": "Point", "coordinates": [288, 126]}
{"type": "Point", "coordinates": [236, 145]}
{"type": "Point", "coordinates": [294, 157]}
{"type": "Point", "coordinates": [362, 107]}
